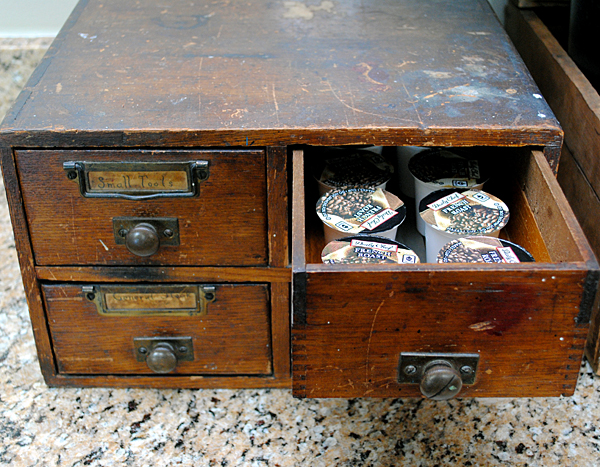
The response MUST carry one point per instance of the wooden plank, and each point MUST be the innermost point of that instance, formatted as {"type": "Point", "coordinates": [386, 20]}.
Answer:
{"type": "Point", "coordinates": [173, 381]}
{"type": "Point", "coordinates": [522, 228]}
{"type": "Point", "coordinates": [277, 204]}
{"type": "Point", "coordinates": [26, 262]}
{"type": "Point", "coordinates": [570, 95]}
{"type": "Point", "coordinates": [582, 198]}
{"type": "Point", "coordinates": [586, 206]}
{"type": "Point", "coordinates": [280, 325]}
{"type": "Point", "coordinates": [161, 273]}
{"type": "Point", "coordinates": [562, 234]}
{"type": "Point", "coordinates": [222, 74]}
{"type": "Point", "coordinates": [298, 213]}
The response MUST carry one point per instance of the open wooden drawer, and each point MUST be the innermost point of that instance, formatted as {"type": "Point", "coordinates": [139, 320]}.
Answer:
{"type": "Point", "coordinates": [525, 324]}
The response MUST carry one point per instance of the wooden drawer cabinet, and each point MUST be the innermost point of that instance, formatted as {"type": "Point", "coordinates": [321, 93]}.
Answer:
{"type": "Point", "coordinates": [223, 100]}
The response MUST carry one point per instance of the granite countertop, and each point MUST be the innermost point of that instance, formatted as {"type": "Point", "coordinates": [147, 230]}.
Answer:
{"type": "Point", "coordinates": [41, 426]}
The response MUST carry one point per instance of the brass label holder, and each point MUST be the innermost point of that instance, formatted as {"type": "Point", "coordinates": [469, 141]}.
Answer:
{"type": "Point", "coordinates": [137, 180]}
{"type": "Point", "coordinates": [150, 300]}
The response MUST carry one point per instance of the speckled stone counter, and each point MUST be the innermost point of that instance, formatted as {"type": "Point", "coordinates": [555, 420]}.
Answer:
{"type": "Point", "coordinates": [40, 426]}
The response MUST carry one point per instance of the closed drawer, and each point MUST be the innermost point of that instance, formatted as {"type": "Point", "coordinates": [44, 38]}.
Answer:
{"type": "Point", "coordinates": [81, 216]}
{"type": "Point", "coordinates": [526, 322]}
{"type": "Point", "coordinates": [100, 329]}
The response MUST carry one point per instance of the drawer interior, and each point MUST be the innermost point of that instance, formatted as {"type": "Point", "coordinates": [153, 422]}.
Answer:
{"type": "Point", "coordinates": [540, 218]}
{"type": "Point", "coordinates": [527, 321]}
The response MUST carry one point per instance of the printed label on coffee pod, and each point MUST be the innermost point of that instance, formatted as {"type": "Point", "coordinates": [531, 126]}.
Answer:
{"type": "Point", "coordinates": [445, 201]}
{"type": "Point", "coordinates": [508, 255]}
{"type": "Point", "coordinates": [359, 251]}
{"type": "Point", "coordinates": [378, 219]}
{"type": "Point", "coordinates": [374, 245]}
{"type": "Point", "coordinates": [455, 182]}
{"type": "Point", "coordinates": [409, 259]}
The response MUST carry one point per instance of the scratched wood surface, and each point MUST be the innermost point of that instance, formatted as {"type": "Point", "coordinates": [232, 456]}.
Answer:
{"type": "Point", "coordinates": [577, 104]}
{"type": "Point", "coordinates": [528, 322]}
{"type": "Point", "coordinates": [225, 225]}
{"type": "Point", "coordinates": [232, 338]}
{"type": "Point", "coordinates": [262, 72]}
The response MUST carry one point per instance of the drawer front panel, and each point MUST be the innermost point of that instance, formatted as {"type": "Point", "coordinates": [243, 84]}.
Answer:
{"type": "Point", "coordinates": [230, 335]}
{"type": "Point", "coordinates": [223, 224]}
{"type": "Point", "coordinates": [521, 323]}
{"type": "Point", "coordinates": [525, 324]}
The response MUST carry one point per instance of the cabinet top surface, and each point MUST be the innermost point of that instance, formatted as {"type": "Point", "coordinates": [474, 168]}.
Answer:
{"type": "Point", "coordinates": [269, 72]}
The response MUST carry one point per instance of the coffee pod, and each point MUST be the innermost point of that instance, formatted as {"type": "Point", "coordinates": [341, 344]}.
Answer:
{"type": "Point", "coordinates": [483, 250]}
{"type": "Point", "coordinates": [405, 180]}
{"type": "Point", "coordinates": [339, 168]}
{"type": "Point", "coordinates": [451, 214]}
{"type": "Point", "coordinates": [363, 249]}
{"type": "Point", "coordinates": [360, 210]}
{"type": "Point", "coordinates": [436, 169]}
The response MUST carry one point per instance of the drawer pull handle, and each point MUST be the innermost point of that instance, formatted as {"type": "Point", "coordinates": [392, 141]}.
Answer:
{"type": "Point", "coordinates": [142, 240]}
{"type": "Point", "coordinates": [439, 376]}
{"type": "Point", "coordinates": [440, 381]}
{"type": "Point", "coordinates": [143, 236]}
{"type": "Point", "coordinates": [162, 358]}
{"type": "Point", "coordinates": [162, 354]}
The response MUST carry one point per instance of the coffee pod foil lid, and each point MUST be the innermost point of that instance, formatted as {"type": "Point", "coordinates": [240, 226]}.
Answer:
{"type": "Point", "coordinates": [357, 168]}
{"type": "Point", "coordinates": [470, 212]}
{"type": "Point", "coordinates": [447, 169]}
{"type": "Point", "coordinates": [483, 250]}
{"type": "Point", "coordinates": [357, 210]}
{"type": "Point", "coordinates": [367, 249]}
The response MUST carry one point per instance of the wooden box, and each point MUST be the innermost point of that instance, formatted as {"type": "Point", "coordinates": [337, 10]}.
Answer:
{"type": "Point", "coordinates": [148, 166]}
{"type": "Point", "coordinates": [577, 105]}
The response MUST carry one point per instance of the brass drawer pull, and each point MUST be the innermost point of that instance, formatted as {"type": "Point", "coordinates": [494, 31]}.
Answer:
{"type": "Point", "coordinates": [150, 300]}
{"type": "Point", "coordinates": [440, 376]}
{"type": "Point", "coordinates": [137, 180]}
{"type": "Point", "coordinates": [162, 354]}
{"type": "Point", "coordinates": [143, 236]}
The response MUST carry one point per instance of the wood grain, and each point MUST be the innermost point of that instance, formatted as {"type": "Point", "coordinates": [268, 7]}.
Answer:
{"type": "Point", "coordinates": [224, 226]}
{"type": "Point", "coordinates": [357, 319]}
{"type": "Point", "coordinates": [25, 255]}
{"type": "Point", "coordinates": [356, 330]}
{"type": "Point", "coordinates": [570, 95]}
{"type": "Point", "coordinates": [277, 206]}
{"type": "Point", "coordinates": [577, 105]}
{"type": "Point", "coordinates": [161, 273]}
{"type": "Point", "coordinates": [233, 338]}
{"type": "Point", "coordinates": [223, 74]}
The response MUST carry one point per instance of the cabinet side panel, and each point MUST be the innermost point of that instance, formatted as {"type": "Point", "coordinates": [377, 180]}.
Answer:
{"type": "Point", "coordinates": [26, 262]}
